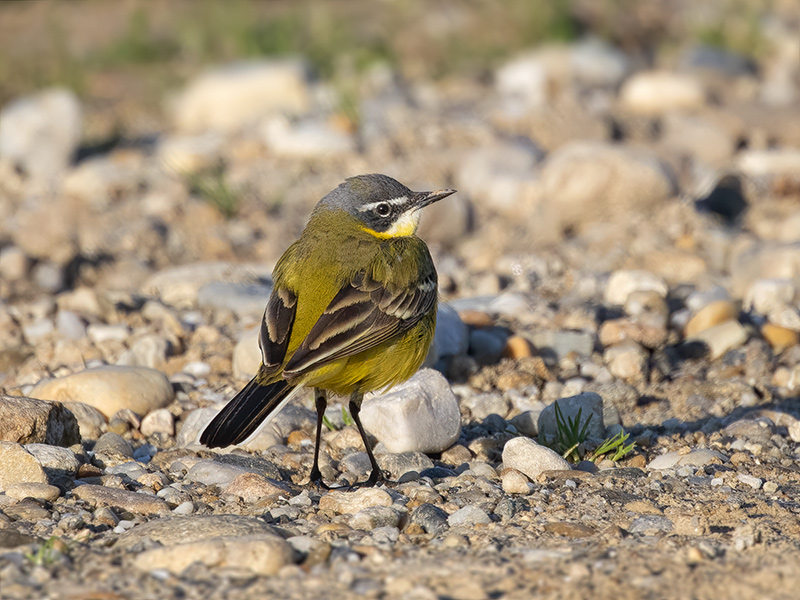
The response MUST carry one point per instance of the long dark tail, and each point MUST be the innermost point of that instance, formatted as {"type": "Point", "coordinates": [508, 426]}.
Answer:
{"type": "Point", "coordinates": [244, 413]}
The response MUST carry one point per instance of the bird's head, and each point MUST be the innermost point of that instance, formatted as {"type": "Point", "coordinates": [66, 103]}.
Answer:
{"type": "Point", "coordinates": [382, 206]}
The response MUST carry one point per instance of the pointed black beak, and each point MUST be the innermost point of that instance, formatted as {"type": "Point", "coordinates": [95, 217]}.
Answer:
{"type": "Point", "coordinates": [422, 199]}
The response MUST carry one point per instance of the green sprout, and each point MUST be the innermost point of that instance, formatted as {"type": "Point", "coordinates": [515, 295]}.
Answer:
{"type": "Point", "coordinates": [47, 553]}
{"type": "Point", "coordinates": [570, 434]}
{"type": "Point", "coordinates": [212, 186]}
{"type": "Point", "coordinates": [613, 448]}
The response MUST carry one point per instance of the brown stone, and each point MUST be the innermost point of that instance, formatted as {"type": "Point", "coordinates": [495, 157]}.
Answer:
{"type": "Point", "coordinates": [28, 421]}
{"type": "Point", "coordinates": [567, 529]}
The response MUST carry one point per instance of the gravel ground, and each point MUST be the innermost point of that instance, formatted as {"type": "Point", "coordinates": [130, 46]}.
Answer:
{"type": "Point", "coordinates": [625, 240]}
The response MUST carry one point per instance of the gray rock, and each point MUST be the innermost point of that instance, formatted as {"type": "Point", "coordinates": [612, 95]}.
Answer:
{"type": "Point", "coordinates": [373, 517]}
{"type": "Point", "coordinates": [595, 63]}
{"type": "Point", "coordinates": [211, 472]}
{"type": "Point", "coordinates": [134, 502]}
{"type": "Point", "coordinates": [404, 462]}
{"type": "Point", "coordinates": [59, 464]}
{"type": "Point", "coordinates": [17, 465]}
{"type": "Point", "coordinates": [564, 342]}
{"type": "Point", "coordinates": [244, 299]}
{"type": "Point", "coordinates": [40, 133]}
{"type": "Point", "coordinates": [487, 345]}
{"type": "Point", "coordinates": [590, 406]}
{"type": "Point", "coordinates": [27, 420]}
{"type": "Point", "coordinates": [528, 457]}
{"type": "Point", "coordinates": [468, 516]}
{"type": "Point", "coordinates": [234, 96]}
{"type": "Point", "coordinates": [651, 525]}
{"type": "Point", "coordinates": [350, 503]}
{"type": "Point", "coordinates": [193, 425]}
{"type": "Point", "coordinates": [431, 518]}
{"type": "Point", "coordinates": [70, 325]}
{"type": "Point", "coordinates": [112, 449]}
{"type": "Point", "coordinates": [110, 388]}
{"type": "Point", "coordinates": [170, 530]}
{"type": "Point", "coordinates": [749, 480]}
{"type": "Point", "coordinates": [420, 415]}
{"type": "Point", "coordinates": [146, 351]}
{"type": "Point", "coordinates": [482, 405]}
{"type": "Point", "coordinates": [452, 335]}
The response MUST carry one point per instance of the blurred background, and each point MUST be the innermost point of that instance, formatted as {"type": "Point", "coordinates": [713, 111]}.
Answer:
{"type": "Point", "coordinates": [583, 137]}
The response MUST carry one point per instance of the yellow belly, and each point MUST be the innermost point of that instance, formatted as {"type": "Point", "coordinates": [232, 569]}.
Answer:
{"type": "Point", "coordinates": [381, 367]}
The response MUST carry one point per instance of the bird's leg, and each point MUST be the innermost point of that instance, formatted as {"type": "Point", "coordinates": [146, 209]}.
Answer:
{"type": "Point", "coordinates": [321, 401]}
{"type": "Point", "coordinates": [355, 407]}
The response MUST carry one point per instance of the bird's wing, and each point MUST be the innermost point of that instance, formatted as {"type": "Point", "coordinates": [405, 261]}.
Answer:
{"type": "Point", "coordinates": [276, 326]}
{"type": "Point", "coordinates": [365, 313]}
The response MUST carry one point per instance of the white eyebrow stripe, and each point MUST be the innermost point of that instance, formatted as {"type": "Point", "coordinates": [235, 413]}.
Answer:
{"type": "Point", "coordinates": [392, 201]}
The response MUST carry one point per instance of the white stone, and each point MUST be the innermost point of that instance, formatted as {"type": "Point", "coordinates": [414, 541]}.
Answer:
{"type": "Point", "coordinates": [233, 96]}
{"type": "Point", "coordinates": [197, 420]}
{"type": "Point", "coordinates": [765, 295]}
{"type": "Point", "coordinates": [309, 138]}
{"type": "Point", "coordinates": [721, 338]}
{"type": "Point", "coordinates": [41, 132]}
{"type": "Point", "coordinates": [665, 461]}
{"type": "Point", "coordinates": [420, 415]}
{"type": "Point", "coordinates": [596, 63]}
{"type": "Point", "coordinates": [110, 388]}
{"type": "Point", "coordinates": [515, 482]}
{"type": "Point", "coordinates": [468, 516]}
{"type": "Point", "coordinates": [623, 283]}
{"type": "Point", "coordinates": [190, 153]}
{"type": "Point", "coordinates": [777, 161]}
{"type": "Point", "coordinates": [656, 92]}
{"type": "Point", "coordinates": [350, 503]}
{"type": "Point", "coordinates": [590, 406]}
{"type": "Point", "coordinates": [531, 459]}
{"type": "Point", "coordinates": [763, 260]}
{"type": "Point", "coordinates": [158, 421]}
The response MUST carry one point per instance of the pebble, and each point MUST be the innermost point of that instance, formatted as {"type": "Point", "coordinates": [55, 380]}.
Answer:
{"type": "Point", "coordinates": [722, 338]}
{"type": "Point", "coordinates": [349, 503]}
{"type": "Point", "coordinates": [158, 421]}
{"type": "Point", "coordinates": [172, 530]}
{"type": "Point", "coordinates": [765, 295]}
{"type": "Point", "coordinates": [710, 315]}
{"type": "Point", "coordinates": [252, 487]}
{"type": "Point", "coordinates": [27, 420]}
{"type": "Point", "coordinates": [530, 458]}
{"type": "Point", "coordinates": [468, 516]}
{"type": "Point", "coordinates": [749, 480]}
{"type": "Point", "coordinates": [110, 388]}
{"type": "Point", "coordinates": [373, 517]}
{"type": "Point", "coordinates": [246, 354]}
{"type": "Point", "coordinates": [432, 519]}
{"type": "Point", "coordinates": [91, 421]}
{"type": "Point", "coordinates": [515, 482]}
{"type": "Point", "coordinates": [234, 96]}
{"type": "Point", "coordinates": [112, 449]}
{"type": "Point", "coordinates": [38, 491]}
{"type": "Point", "coordinates": [17, 465]}
{"type": "Point", "coordinates": [420, 415]}
{"type": "Point", "coordinates": [244, 299]}
{"type": "Point", "coordinates": [779, 337]}
{"type": "Point", "coordinates": [305, 138]}
{"type": "Point", "coordinates": [651, 525]}
{"type": "Point", "coordinates": [658, 92]}
{"type": "Point", "coordinates": [627, 360]}
{"type": "Point", "coordinates": [212, 472]}
{"type": "Point", "coordinates": [451, 337]}
{"type": "Point", "coordinates": [623, 283]}
{"type": "Point", "coordinates": [60, 464]}
{"type": "Point", "coordinates": [590, 406]}
{"type": "Point", "coordinates": [403, 464]}
{"type": "Point", "coordinates": [135, 502]}
{"type": "Point", "coordinates": [41, 132]}
{"type": "Point", "coordinates": [260, 554]}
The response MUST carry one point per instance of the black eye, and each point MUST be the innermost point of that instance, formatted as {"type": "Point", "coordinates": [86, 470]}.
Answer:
{"type": "Point", "coordinates": [383, 209]}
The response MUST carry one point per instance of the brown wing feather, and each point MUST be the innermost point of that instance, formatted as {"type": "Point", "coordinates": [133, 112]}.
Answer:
{"type": "Point", "coordinates": [362, 315]}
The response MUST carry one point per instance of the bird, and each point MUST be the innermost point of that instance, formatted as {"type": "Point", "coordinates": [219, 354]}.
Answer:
{"type": "Point", "coordinates": [352, 310]}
